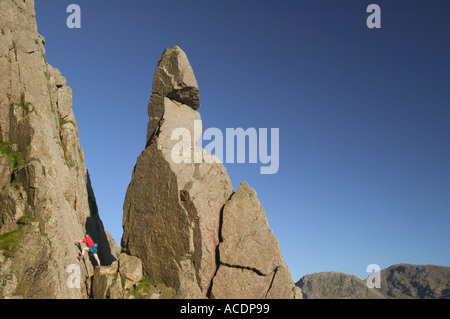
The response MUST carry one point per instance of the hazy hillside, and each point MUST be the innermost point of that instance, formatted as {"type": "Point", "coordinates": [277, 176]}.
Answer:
{"type": "Point", "coordinates": [416, 281]}
{"type": "Point", "coordinates": [398, 281]}
{"type": "Point", "coordinates": [335, 285]}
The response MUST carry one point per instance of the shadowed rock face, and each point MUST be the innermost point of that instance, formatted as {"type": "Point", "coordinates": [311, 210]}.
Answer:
{"type": "Point", "coordinates": [46, 200]}
{"type": "Point", "coordinates": [173, 210]}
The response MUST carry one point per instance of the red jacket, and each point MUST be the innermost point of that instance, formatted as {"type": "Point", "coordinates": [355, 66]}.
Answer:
{"type": "Point", "coordinates": [88, 241]}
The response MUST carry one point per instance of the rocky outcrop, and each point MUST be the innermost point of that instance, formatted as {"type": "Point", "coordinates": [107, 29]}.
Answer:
{"type": "Point", "coordinates": [251, 264]}
{"type": "Point", "coordinates": [401, 281]}
{"type": "Point", "coordinates": [124, 279]}
{"type": "Point", "coordinates": [177, 215]}
{"type": "Point", "coordinates": [116, 280]}
{"type": "Point", "coordinates": [46, 200]}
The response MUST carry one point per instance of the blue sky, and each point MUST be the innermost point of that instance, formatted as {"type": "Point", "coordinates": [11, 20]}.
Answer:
{"type": "Point", "coordinates": [364, 114]}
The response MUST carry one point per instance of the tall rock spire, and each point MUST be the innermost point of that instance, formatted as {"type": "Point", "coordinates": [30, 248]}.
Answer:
{"type": "Point", "coordinates": [172, 210]}
{"type": "Point", "coordinates": [176, 218]}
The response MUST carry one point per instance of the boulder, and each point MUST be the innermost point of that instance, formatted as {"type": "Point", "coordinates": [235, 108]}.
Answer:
{"type": "Point", "coordinates": [130, 268]}
{"type": "Point", "coordinates": [103, 279]}
{"type": "Point", "coordinates": [175, 78]}
{"type": "Point", "coordinates": [251, 264]}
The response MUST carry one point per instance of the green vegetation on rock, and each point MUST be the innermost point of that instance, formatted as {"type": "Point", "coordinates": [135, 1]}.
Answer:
{"type": "Point", "coordinates": [142, 286]}
{"type": "Point", "coordinates": [10, 240]}
{"type": "Point", "coordinates": [15, 158]}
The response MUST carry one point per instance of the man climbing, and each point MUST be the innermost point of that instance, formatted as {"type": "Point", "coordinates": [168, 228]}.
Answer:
{"type": "Point", "coordinates": [91, 247]}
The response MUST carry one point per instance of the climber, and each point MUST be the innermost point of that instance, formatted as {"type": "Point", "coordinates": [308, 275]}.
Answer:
{"type": "Point", "coordinates": [91, 247]}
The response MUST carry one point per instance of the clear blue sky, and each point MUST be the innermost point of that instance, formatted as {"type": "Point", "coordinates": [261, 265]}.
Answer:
{"type": "Point", "coordinates": [364, 114]}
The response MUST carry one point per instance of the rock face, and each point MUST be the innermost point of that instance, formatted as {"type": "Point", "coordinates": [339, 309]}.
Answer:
{"type": "Point", "coordinates": [173, 207]}
{"type": "Point", "coordinates": [46, 200]}
{"type": "Point", "coordinates": [401, 281]}
{"type": "Point", "coordinates": [251, 264]}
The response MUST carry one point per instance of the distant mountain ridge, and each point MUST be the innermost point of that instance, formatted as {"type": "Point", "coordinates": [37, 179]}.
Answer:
{"type": "Point", "coordinates": [400, 281]}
